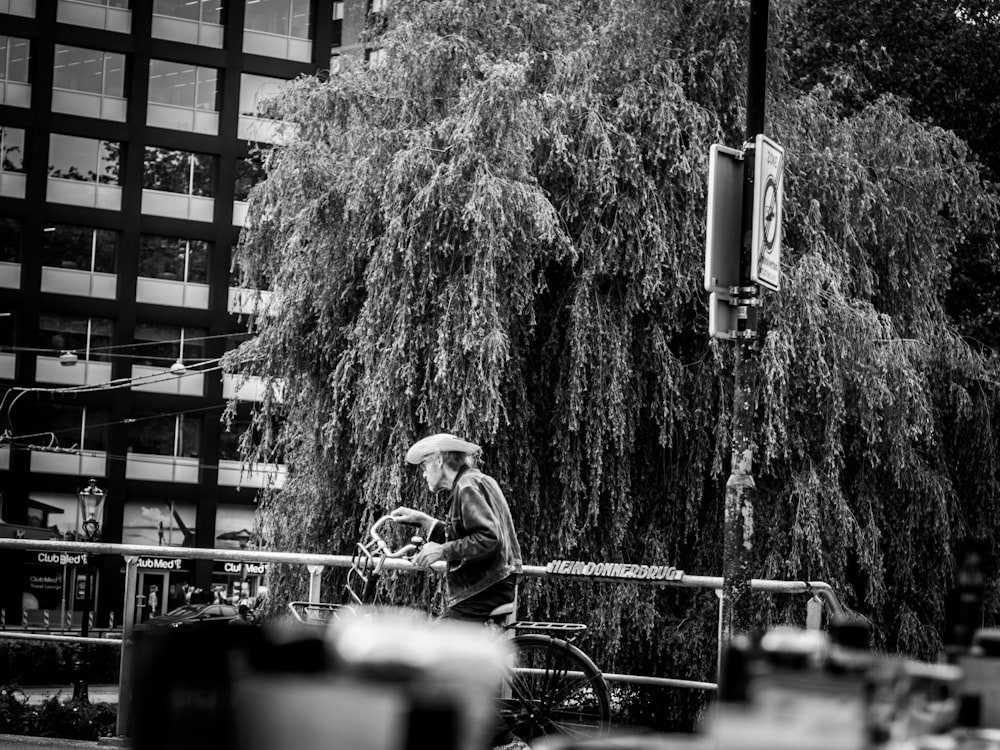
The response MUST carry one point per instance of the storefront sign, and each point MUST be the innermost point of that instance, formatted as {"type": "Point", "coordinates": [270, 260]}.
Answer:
{"type": "Point", "coordinates": [51, 582]}
{"type": "Point", "coordinates": [252, 569]}
{"type": "Point", "coordinates": [160, 563]}
{"type": "Point", "coordinates": [63, 558]}
{"type": "Point", "coordinates": [629, 571]}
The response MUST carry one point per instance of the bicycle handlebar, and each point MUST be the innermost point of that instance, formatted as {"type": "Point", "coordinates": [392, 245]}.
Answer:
{"type": "Point", "coordinates": [407, 550]}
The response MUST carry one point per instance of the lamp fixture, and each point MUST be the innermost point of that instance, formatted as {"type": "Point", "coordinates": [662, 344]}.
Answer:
{"type": "Point", "coordinates": [178, 368]}
{"type": "Point", "coordinates": [68, 359]}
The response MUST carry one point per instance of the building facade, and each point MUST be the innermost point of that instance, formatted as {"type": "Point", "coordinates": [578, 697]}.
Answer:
{"type": "Point", "coordinates": [127, 133]}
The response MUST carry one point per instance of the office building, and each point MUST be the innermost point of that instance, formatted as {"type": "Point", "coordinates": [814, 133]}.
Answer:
{"type": "Point", "coordinates": [128, 132]}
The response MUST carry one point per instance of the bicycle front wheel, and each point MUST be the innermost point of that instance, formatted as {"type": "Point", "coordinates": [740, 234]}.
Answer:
{"type": "Point", "coordinates": [553, 688]}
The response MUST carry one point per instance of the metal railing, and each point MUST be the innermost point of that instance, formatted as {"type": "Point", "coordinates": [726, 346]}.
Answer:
{"type": "Point", "coordinates": [819, 591]}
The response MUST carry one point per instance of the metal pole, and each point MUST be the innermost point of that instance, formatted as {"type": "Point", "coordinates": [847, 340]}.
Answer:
{"type": "Point", "coordinates": [81, 691]}
{"type": "Point", "coordinates": [128, 643]}
{"type": "Point", "coordinates": [738, 514]}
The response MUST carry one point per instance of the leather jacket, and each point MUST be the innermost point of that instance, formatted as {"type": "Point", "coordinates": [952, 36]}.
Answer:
{"type": "Point", "coordinates": [478, 540]}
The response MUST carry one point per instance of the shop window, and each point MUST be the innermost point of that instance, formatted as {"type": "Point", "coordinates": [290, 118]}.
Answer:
{"type": "Point", "coordinates": [89, 338]}
{"type": "Point", "coordinates": [173, 259]}
{"type": "Point", "coordinates": [81, 248]}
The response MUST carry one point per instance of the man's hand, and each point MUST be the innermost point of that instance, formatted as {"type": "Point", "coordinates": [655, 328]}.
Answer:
{"type": "Point", "coordinates": [410, 517]}
{"type": "Point", "coordinates": [429, 554]}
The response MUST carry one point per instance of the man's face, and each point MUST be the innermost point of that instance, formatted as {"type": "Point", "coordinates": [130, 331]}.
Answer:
{"type": "Point", "coordinates": [433, 471]}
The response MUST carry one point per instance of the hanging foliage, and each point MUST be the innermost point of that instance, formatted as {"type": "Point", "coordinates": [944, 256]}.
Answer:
{"type": "Point", "coordinates": [498, 231]}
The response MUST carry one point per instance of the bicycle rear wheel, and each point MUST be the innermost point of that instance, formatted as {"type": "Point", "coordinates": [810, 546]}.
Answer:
{"type": "Point", "coordinates": [553, 688]}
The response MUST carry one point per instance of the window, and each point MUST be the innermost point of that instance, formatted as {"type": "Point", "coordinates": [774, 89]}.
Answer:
{"type": "Point", "coordinates": [7, 328]}
{"type": "Point", "coordinates": [204, 11]}
{"type": "Point", "coordinates": [249, 172]}
{"type": "Point", "coordinates": [10, 241]}
{"type": "Point", "coordinates": [173, 258]}
{"type": "Point", "coordinates": [12, 148]}
{"type": "Point", "coordinates": [166, 435]}
{"type": "Point", "coordinates": [90, 338]}
{"type": "Point", "coordinates": [82, 427]}
{"type": "Point", "coordinates": [229, 439]}
{"type": "Point", "coordinates": [89, 71]}
{"type": "Point", "coordinates": [178, 172]}
{"type": "Point", "coordinates": [15, 54]}
{"type": "Point", "coordinates": [82, 248]}
{"type": "Point", "coordinates": [254, 89]}
{"type": "Point", "coordinates": [123, 4]}
{"type": "Point", "coordinates": [183, 85]}
{"type": "Point", "coordinates": [85, 159]}
{"type": "Point", "coordinates": [162, 345]}
{"type": "Point", "coordinates": [282, 17]}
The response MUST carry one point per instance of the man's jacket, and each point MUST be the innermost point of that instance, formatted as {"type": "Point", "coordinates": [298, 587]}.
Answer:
{"type": "Point", "coordinates": [478, 539]}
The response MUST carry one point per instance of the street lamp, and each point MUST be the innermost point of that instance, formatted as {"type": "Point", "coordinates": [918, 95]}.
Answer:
{"type": "Point", "coordinates": [91, 500]}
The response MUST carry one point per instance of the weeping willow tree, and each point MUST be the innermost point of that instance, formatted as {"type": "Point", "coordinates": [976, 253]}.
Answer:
{"type": "Point", "coordinates": [498, 231]}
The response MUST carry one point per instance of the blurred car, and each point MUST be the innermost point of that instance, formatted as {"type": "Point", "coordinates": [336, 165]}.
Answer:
{"type": "Point", "coordinates": [203, 615]}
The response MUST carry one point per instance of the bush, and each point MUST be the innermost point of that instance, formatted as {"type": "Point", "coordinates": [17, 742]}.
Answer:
{"type": "Point", "coordinates": [46, 663]}
{"type": "Point", "coordinates": [68, 719]}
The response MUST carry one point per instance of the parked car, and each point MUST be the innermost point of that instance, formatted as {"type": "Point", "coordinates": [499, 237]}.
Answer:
{"type": "Point", "coordinates": [205, 615]}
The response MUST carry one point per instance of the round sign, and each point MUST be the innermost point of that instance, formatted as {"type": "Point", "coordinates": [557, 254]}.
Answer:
{"type": "Point", "coordinates": [769, 212]}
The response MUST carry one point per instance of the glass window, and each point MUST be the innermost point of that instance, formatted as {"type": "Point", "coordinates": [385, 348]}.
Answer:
{"type": "Point", "coordinates": [12, 147]}
{"type": "Point", "coordinates": [173, 258]}
{"type": "Point", "coordinates": [205, 11]}
{"type": "Point", "coordinates": [162, 345]}
{"type": "Point", "coordinates": [10, 241]}
{"type": "Point", "coordinates": [15, 54]}
{"type": "Point", "coordinates": [84, 248]}
{"type": "Point", "coordinates": [254, 89]}
{"type": "Point", "coordinates": [249, 172]}
{"type": "Point", "coordinates": [169, 435]}
{"type": "Point", "coordinates": [123, 4]}
{"type": "Point", "coordinates": [283, 17]}
{"type": "Point", "coordinates": [89, 71]}
{"type": "Point", "coordinates": [75, 426]}
{"type": "Point", "coordinates": [74, 158]}
{"type": "Point", "coordinates": [183, 85]}
{"type": "Point", "coordinates": [90, 338]}
{"type": "Point", "coordinates": [178, 172]}
{"type": "Point", "coordinates": [7, 329]}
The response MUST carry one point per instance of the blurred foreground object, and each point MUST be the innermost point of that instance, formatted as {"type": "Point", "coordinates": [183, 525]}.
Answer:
{"type": "Point", "coordinates": [386, 680]}
{"type": "Point", "coordinates": [810, 690]}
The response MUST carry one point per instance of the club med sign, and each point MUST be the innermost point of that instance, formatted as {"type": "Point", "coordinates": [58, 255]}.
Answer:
{"type": "Point", "coordinates": [628, 571]}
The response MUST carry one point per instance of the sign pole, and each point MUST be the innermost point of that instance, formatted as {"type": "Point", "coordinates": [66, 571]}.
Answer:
{"type": "Point", "coordinates": [738, 516]}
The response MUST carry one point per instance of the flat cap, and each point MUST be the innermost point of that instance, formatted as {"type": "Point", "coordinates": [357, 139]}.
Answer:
{"type": "Point", "coordinates": [441, 442]}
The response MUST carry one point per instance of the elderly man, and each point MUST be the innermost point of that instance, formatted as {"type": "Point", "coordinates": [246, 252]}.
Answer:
{"type": "Point", "coordinates": [477, 541]}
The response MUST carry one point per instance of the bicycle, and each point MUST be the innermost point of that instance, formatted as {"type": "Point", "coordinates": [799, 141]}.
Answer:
{"type": "Point", "coordinates": [552, 686]}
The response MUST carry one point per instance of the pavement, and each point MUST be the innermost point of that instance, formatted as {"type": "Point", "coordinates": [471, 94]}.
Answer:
{"type": "Point", "coordinates": [97, 693]}
{"type": "Point", "coordinates": [18, 742]}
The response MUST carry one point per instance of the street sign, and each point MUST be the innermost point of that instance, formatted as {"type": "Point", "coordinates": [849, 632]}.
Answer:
{"type": "Point", "coordinates": [724, 316]}
{"type": "Point", "coordinates": [722, 224]}
{"type": "Point", "coordinates": [765, 250]}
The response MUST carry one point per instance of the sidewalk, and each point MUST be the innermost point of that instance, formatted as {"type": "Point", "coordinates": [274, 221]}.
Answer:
{"type": "Point", "coordinates": [18, 742]}
{"type": "Point", "coordinates": [38, 694]}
